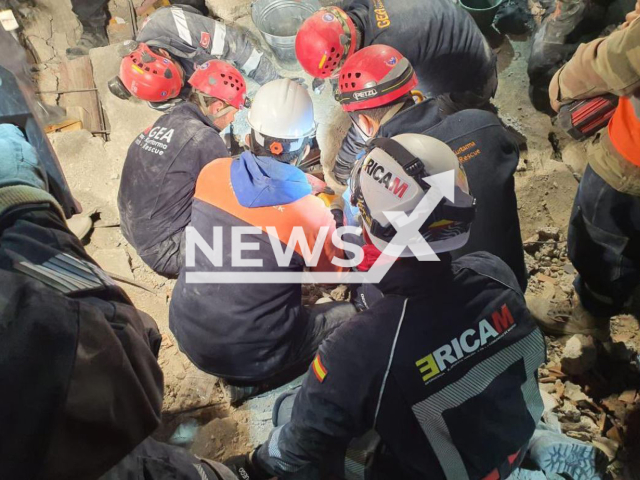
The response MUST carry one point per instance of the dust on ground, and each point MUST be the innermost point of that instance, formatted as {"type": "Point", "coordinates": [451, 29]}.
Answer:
{"type": "Point", "coordinates": [591, 389]}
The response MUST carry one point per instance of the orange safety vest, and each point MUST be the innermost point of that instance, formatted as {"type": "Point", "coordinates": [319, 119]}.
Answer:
{"type": "Point", "coordinates": [624, 131]}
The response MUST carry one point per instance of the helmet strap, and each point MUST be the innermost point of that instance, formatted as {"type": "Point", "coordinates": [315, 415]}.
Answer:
{"type": "Point", "coordinates": [205, 108]}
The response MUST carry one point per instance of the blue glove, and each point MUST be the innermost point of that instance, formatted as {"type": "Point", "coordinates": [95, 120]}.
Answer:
{"type": "Point", "coordinates": [18, 160]}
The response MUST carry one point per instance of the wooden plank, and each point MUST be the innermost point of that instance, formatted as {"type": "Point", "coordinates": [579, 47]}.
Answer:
{"type": "Point", "coordinates": [78, 74]}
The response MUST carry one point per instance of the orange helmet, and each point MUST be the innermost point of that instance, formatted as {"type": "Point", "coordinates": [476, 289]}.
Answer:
{"type": "Point", "coordinates": [218, 79]}
{"type": "Point", "coordinates": [150, 76]}
{"type": "Point", "coordinates": [324, 41]}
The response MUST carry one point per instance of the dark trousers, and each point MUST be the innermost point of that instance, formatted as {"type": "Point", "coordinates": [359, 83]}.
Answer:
{"type": "Point", "coordinates": [90, 13]}
{"type": "Point", "coordinates": [165, 258]}
{"type": "Point", "coordinates": [153, 460]}
{"type": "Point", "coordinates": [320, 320]}
{"type": "Point", "coordinates": [604, 245]}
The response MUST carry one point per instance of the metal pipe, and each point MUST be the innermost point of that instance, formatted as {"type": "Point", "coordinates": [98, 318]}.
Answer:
{"type": "Point", "coordinates": [61, 92]}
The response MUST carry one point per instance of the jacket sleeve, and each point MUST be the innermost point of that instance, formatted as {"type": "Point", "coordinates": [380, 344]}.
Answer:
{"type": "Point", "coordinates": [239, 49]}
{"type": "Point", "coordinates": [331, 408]}
{"type": "Point", "coordinates": [605, 65]}
{"type": "Point", "coordinates": [206, 145]}
{"type": "Point", "coordinates": [94, 388]}
{"type": "Point", "coordinates": [351, 146]}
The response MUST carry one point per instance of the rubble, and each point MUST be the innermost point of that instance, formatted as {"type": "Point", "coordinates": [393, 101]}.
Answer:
{"type": "Point", "coordinates": [579, 355]}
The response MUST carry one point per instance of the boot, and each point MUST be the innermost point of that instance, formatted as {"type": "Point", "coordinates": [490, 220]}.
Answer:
{"type": "Point", "coordinates": [236, 395]}
{"type": "Point", "coordinates": [567, 318]}
{"type": "Point", "coordinates": [92, 37]}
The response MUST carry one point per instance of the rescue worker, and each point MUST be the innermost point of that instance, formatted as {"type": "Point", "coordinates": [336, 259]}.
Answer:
{"type": "Point", "coordinates": [488, 153]}
{"type": "Point", "coordinates": [183, 39]}
{"type": "Point", "coordinates": [163, 164]}
{"type": "Point", "coordinates": [93, 391]}
{"type": "Point", "coordinates": [603, 240]}
{"type": "Point", "coordinates": [81, 384]}
{"type": "Point", "coordinates": [92, 15]}
{"type": "Point", "coordinates": [255, 336]}
{"type": "Point", "coordinates": [452, 59]}
{"type": "Point", "coordinates": [450, 339]}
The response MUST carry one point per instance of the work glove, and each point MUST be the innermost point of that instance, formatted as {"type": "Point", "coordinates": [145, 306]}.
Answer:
{"type": "Point", "coordinates": [245, 467]}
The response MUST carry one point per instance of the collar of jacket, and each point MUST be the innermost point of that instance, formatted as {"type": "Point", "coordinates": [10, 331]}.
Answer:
{"type": "Point", "coordinates": [412, 117]}
{"type": "Point", "coordinates": [195, 109]}
{"type": "Point", "coordinates": [409, 277]}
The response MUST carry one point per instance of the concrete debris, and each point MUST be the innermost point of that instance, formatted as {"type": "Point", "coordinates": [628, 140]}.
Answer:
{"type": "Point", "coordinates": [608, 446]}
{"type": "Point", "coordinates": [114, 260]}
{"type": "Point", "coordinates": [229, 11]}
{"type": "Point", "coordinates": [550, 402]}
{"type": "Point", "coordinates": [340, 293]}
{"type": "Point", "coordinates": [81, 156]}
{"type": "Point", "coordinates": [41, 49]}
{"type": "Point", "coordinates": [579, 355]}
{"type": "Point", "coordinates": [574, 393]}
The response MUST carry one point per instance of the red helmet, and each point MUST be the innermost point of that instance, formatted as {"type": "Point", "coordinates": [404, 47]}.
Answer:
{"type": "Point", "coordinates": [150, 76]}
{"type": "Point", "coordinates": [324, 40]}
{"type": "Point", "coordinates": [373, 77]}
{"type": "Point", "coordinates": [219, 79]}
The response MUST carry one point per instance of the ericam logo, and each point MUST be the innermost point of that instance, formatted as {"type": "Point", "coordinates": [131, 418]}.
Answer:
{"type": "Point", "coordinates": [407, 236]}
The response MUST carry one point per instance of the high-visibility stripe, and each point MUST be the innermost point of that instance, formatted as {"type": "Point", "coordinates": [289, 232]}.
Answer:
{"type": "Point", "coordinates": [219, 34]}
{"type": "Point", "coordinates": [252, 62]}
{"type": "Point", "coordinates": [318, 369]}
{"type": "Point", "coordinates": [181, 25]}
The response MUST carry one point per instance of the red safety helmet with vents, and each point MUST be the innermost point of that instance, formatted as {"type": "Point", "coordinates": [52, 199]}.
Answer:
{"type": "Point", "coordinates": [324, 40]}
{"type": "Point", "coordinates": [218, 79]}
{"type": "Point", "coordinates": [373, 77]}
{"type": "Point", "coordinates": [150, 76]}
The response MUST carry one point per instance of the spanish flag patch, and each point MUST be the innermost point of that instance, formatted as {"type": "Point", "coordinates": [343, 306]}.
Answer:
{"type": "Point", "coordinates": [318, 369]}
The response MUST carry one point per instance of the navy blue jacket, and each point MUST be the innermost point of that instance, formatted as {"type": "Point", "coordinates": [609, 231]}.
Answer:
{"type": "Point", "coordinates": [443, 369]}
{"type": "Point", "coordinates": [489, 156]}
{"type": "Point", "coordinates": [160, 173]}
{"type": "Point", "coordinates": [247, 332]}
{"type": "Point", "coordinates": [441, 41]}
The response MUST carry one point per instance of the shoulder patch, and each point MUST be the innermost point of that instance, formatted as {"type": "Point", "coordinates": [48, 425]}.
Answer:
{"type": "Point", "coordinates": [318, 369]}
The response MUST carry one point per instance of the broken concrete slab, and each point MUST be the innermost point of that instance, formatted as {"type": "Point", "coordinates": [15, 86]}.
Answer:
{"type": "Point", "coordinates": [574, 393]}
{"type": "Point", "coordinates": [41, 49]}
{"type": "Point", "coordinates": [114, 261]}
{"type": "Point", "coordinates": [579, 355]}
{"type": "Point", "coordinates": [229, 10]}
{"type": "Point", "coordinates": [82, 156]}
{"type": "Point", "coordinates": [545, 197]}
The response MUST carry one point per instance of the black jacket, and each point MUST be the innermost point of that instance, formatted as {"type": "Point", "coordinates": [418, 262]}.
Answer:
{"type": "Point", "coordinates": [440, 40]}
{"type": "Point", "coordinates": [489, 156]}
{"type": "Point", "coordinates": [160, 173]}
{"type": "Point", "coordinates": [443, 368]}
{"type": "Point", "coordinates": [80, 383]}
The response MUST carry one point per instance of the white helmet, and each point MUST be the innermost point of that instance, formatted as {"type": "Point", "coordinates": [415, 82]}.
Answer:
{"type": "Point", "coordinates": [282, 110]}
{"type": "Point", "coordinates": [390, 178]}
